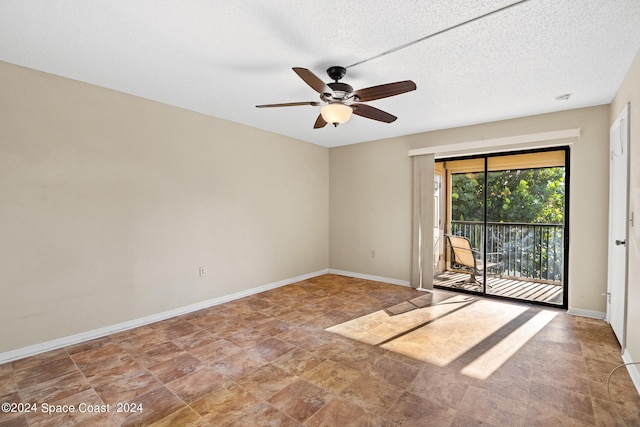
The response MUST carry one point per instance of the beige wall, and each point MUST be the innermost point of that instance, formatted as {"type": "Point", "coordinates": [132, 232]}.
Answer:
{"type": "Point", "coordinates": [109, 204]}
{"type": "Point", "coordinates": [629, 92]}
{"type": "Point", "coordinates": [370, 200]}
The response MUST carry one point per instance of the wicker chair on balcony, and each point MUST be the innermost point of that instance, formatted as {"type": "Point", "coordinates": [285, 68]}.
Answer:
{"type": "Point", "coordinates": [464, 257]}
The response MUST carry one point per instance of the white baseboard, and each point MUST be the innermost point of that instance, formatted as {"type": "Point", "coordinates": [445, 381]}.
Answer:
{"type": "Point", "coordinates": [119, 327]}
{"type": "Point", "coordinates": [370, 277]}
{"type": "Point", "coordinates": [634, 372]}
{"type": "Point", "coordinates": [586, 313]}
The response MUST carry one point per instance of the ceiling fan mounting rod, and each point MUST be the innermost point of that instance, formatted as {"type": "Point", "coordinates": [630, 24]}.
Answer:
{"type": "Point", "coordinates": [395, 49]}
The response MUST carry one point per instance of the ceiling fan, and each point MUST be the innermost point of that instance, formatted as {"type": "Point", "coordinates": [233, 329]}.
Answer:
{"type": "Point", "coordinates": [339, 100]}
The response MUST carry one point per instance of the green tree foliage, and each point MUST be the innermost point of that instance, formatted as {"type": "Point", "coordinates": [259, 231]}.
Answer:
{"type": "Point", "coordinates": [519, 195]}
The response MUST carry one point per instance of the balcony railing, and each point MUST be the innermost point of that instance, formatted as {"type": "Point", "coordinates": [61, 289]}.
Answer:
{"type": "Point", "coordinates": [528, 251]}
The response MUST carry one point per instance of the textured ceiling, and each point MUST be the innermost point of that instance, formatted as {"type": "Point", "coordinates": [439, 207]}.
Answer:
{"type": "Point", "coordinates": [222, 58]}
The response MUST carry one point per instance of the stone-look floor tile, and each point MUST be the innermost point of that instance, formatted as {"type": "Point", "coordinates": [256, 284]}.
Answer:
{"type": "Point", "coordinates": [37, 360]}
{"type": "Point", "coordinates": [543, 415]}
{"type": "Point", "coordinates": [176, 367]}
{"type": "Point", "coordinates": [330, 319]}
{"type": "Point", "coordinates": [98, 420]}
{"type": "Point", "coordinates": [411, 410]}
{"type": "Point", "coordinates": [300, 400]}
{"type": "Point", "coordinates": [12, 416]}
{"type": "Point", "coordinates": [106, 351]}
{"type": "Point", "coordinates": [185, 417]}
{"type": "Point", "coordinates": [15, 417]}
{"type": "Point", "coordinates": [340, 412]}
{"type": "Point", "coordinates": [213, 351]}
{"type": "Point", "coordinates": [510, 387]}
{"type": "Point", "coordinates": [438, 385]}
{"type": "Point", "coordinates": [258, 303]}
{"type": "Point", "coordinates": [599, 349]}
{"type": "Point", "coordinates": [620, 385]}
{"type": "Point", "coordinates": [599, 370]}
{"type": "Point", "coordinates": [128, 387]}
{"type": "Point", "coordinates": [45, 371]}
{"type": "Point", "coordinates": [5, 369]}
{"type": "Point", "coordinates": [160, 353]}
{"type": "Point", "coordinates": [196, 339]}
{"type": "Point", "coordinates": [570, 374]}
{"type": "Point", "coordinates": [193, 386]}
{"type": "Point", "coordinates": [360, 358]}
{"type": "Point", "coordinates": [139, 345]}
{"type": "Point", "coordinates": [282, 310]}
{"type": "Point", "coordinates": [629, 410]}
{"type": "Point", "coordinates": [255, 319]}
{"type": "Point", "coordinates": [295, 335]}
{"type": "Point", "coordinates": [58, 416]}
{"type": "Point", "coordinates": [273, 327]}
{"type": "Point", "coordinates": [298, 361]}
{"type": "Point", "coordinates": [263, 415]}
{"type": "Point", "coordinates": [394, 372]}
{"type": "Point", "coordinates": [265, 359]}
{"type": "Point", "coordinates": [297, 318]}
{"type": "Point", "coordinates": [8, 383]}
{"type": "Point", "coordinates": [606, 413]}
{"type": "Point", "coordinates": [131, 333]}
{"type": "Point", "coordinates": [238, 365]}
{"type": "Point", "coordinates": [248, 337]}
{"type": "Point", "coordinates": [484, 407]}
{"type": "Point", "coordinates": [13, 420]}
{"type": "Point", "coordinates": [266, 381]}
{"type": "Point", "coordinates": [574, 405]}
{"type": "Point", "coordinates": [209, 320]}
{"type": "Point", "coordinates": [89, 345]}
{"type": "Point", "coordinates": [225, 404]}
{"type": "Point", "coordinates": [180, 329]}
{"type": "Point", "coordinates": [56, 388]}
{"type": "Point", "coordinates": [104, 370]}
{"type": "Point", "coordinates": [149, 408]}
{"type": "Point", "coordinates": [166, 323]}
{"type": "Point", "coordinates": [270, 349]}
{"type": "Point", "coordinates": [371, 394]}
{"type": "Point", "coordinates": [327, 350]}
{"type": "Point", "coordinates": [402, 358]}
{"type": "Point", "coordinates": [332, 376]}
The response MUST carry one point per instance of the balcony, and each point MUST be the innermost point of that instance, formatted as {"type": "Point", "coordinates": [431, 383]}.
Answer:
{"type": "Point", "coordinates": [529, 259]}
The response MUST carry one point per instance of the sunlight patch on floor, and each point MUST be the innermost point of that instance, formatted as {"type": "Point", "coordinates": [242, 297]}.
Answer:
{"type": "Point", "coordinates": [458, 328]}
{"type": "Point", "coordinates": [493, 358]}
{"type": "Point", "coordinates": [445, 340]}
{"type": "Point", "coordinates": [379, 326]}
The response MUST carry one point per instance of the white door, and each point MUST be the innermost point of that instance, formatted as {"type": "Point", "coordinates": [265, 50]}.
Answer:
{"type": "Point", "coordinates": [617, 277]}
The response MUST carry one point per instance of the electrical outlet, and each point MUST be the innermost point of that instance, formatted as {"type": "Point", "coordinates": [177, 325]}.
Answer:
{"type": "Point", "coordinates": [201, 271]}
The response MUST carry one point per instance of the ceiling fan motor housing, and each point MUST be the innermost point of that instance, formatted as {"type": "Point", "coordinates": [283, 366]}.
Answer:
{"type": "Point", "coordinates": [336, 72]}
{"type": "Point", "coordinates": [340, 92]}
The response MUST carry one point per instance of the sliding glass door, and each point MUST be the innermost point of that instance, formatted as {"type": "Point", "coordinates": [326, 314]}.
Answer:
{"type": "Point", "coordinates": [506, 230]}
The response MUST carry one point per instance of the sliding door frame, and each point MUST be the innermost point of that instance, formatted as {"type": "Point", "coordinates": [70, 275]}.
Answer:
{"type": "Point", "coordinates": [485, 157]}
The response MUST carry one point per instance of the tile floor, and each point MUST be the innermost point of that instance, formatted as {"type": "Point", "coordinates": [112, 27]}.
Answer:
{"type": "Point", "coordinates": [336, 351]}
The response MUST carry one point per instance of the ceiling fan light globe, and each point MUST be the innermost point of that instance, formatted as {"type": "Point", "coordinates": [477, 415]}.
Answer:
{"type": "Point", "coordinates": [336, 113]}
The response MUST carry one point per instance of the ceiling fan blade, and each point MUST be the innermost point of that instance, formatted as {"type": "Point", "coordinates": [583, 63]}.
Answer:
{"type": "Point", "coordinates": [384, 91]}
{"type": "Point", "coordinates": [320, 122]}
{"type": "Point", "coordinates": [289, 104]}
{"type": "Point", "coordinates": [373, 113]}
{"type": "Point", "coordinates": [312, 80]}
